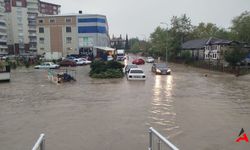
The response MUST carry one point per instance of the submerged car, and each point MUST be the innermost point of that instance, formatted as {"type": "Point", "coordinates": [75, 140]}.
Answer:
{"type": "Point", "coordinates": [47, 65]}
{"type": "Point", "coordinates": [138, 61]}
{"type": "Point", "coordinates": [136, 74]}
{"type": "Point", "coordinates": [150, 60]}
{"type": "Point", "coordinates": [128, 67]}
{"type": "Point", "coordinates": [161, 68]}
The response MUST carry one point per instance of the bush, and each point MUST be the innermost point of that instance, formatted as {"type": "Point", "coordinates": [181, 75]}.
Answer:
{"type": "Point", "coordinates": [110, 73]}
{"type": "Point", "coordinates": [186, 56]}
{"type": "Point", "coordinates": [110, 69]}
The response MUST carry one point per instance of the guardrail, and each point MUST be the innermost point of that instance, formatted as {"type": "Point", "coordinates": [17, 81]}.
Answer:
{"type": "Point", "coordinates": [40, 143]}
{"type": "Point", "coordinates": [160, 139]}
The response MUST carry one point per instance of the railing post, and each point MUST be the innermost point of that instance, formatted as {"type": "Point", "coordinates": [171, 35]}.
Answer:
{"type": "Point", "coordinates": [150, 140]}
{"type": "Point", "coordinates": [43, 144]}
{"type": "Point", "coordinates": [159, 144]}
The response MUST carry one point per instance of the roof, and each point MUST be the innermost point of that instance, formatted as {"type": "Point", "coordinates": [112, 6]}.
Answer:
{"type": "Point", "coordinates": [73, 14]}
{"type": "Point", "coordinates": [201, 43]}
{"type": "Point", "coordinates": [194, 44]}
{"type": "Point", "coordinates": [104, 48]}
{"type": "Point", "coordinates": [216, 41]}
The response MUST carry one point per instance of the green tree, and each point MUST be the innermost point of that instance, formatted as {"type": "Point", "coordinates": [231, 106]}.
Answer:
{"type": "Point", "coordinates": [158, 41]}
{"type": "Point", "coordinates": [235, 55]}
{"type": "Point", "coordinates": [241, 27]}
{"type": "Point", "coordinates": [180, 31]}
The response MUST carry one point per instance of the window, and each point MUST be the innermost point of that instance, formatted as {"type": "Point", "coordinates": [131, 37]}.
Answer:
{"type": "Point", "coordinates": [41, 40]}
{"type": "Point", "coordinates": [41, 30]}
{"type": "Point", "coordinates": [18, 3]}
{"type": "Point", "coordinates": [68, 29]}
{"type": "Point", "coordinates": [68, 20]}
{"type": "Point", "coordinates": [52, 20]}
{"type": "Point", "coordinates": [40, 20]}
{"type": "Point", "coordinates": [42, 49]}
{"type": "Point", "coordinates": [68, 40]}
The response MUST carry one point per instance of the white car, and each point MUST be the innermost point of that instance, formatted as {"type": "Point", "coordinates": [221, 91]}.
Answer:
{"type": "Point", "coordinates": [82, 61]}
{"type": "Point", "coordinates": [136, 74]}
{"type": "Point", "coordinates": [86, 61]}
{"type": "Point", "coordinates": [150, 60]}
{"type": "Point", "coordinates": [47, 65]}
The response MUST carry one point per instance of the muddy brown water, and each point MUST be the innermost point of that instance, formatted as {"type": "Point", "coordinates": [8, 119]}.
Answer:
{"type": "Point", "coordinates": [195, 112]}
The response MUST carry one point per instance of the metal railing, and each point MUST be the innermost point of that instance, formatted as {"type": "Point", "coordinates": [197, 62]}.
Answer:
{"type": "Point", "coordinates": [40, 143]}
{"type": "Point", "coordinates": [160, 140]}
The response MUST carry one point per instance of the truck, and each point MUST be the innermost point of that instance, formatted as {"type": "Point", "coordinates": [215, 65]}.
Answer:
{"type": "Point", "coordinates": [120, 54]}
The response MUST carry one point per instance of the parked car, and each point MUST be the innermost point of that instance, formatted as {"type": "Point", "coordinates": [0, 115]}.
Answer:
{"type": "Point", "coordinates": [138, 61]}
{"type": "Point", "coordinates": [68, 62]}
{"type": "Point", "coordinates": [79, 61]}
{"type": "Point", "coordinates": [71, 57]}
{"type": "Point", "coordinates": [136, 74]}
{"type": "Point", "coordinates": [47, 65]}
{"type": "Point", "coordinates": [86, 61]}
{"type": "Point", "coordinates": [150, 60]}
{"type": "Point", "coordinates": [161, 68]}
{"type": "Point", "coordinates": [128, 67]}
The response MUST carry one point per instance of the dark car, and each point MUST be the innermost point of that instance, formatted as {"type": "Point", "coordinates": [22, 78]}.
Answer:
{"type": "Point", "coordinates": [161, 68]}
{"type": "Point", "coordinates": [138, 61]}
{"type": "Point", "coordinates": [68, 62]}
{"type": "Point", "coordinates": [128, 67]}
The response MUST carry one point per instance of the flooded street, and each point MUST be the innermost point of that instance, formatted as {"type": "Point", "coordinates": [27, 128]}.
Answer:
{"type": "Point", "coordinates": [195, 112]}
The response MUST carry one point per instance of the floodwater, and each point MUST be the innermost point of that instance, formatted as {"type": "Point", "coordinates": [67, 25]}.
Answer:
{"type": "Point", "coordinates": [193, 111]}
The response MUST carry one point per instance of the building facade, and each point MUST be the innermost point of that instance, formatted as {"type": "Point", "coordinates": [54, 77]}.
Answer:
{"type": "Point", "coordinates": [3, 32]}
{"type": "Point", "coordinates": [93, 31]}
{"type": "Point", "coordinates": [72, 34]}
{"type": "Point", "coordinates": [21, 19]}
{"type": "Point", "coordinates": [57, 34]}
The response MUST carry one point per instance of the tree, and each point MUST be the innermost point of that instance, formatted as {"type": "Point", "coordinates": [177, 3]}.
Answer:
{"type": "Point", "coordinates": [235, 56]}
{"type": "Point", "coordinates": [158, 41]}
{"type": "Point", "coordinates": [126, 43]}
{"type": "Point", "coordinates": [241, 27]}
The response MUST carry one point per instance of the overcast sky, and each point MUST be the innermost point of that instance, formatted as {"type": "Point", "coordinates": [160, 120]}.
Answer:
{"type": "Point", "coordinates": [139, 18]}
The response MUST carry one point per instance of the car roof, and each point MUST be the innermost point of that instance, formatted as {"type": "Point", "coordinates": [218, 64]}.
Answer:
{"type": "Point", "coordinates": [136, 69]}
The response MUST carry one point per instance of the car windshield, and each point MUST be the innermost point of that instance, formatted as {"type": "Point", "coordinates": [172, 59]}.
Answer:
{"type": "Point", "coordinates": [136, 71]}
{"type": "Point", "coordinates": [161, 65]}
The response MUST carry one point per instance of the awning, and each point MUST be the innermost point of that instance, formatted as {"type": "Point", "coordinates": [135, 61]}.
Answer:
{"type": "Point", "coordinates": [104, 48]}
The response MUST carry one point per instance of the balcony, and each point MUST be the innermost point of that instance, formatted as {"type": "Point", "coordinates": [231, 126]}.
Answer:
{"type": "Point", "coordinates": [33, 40]}
{"type": "Point", "coordinates": [3, 33]}
{"type": "Point", "coordinates": [3, 39]}
{"type": "Point", "coordinates": [32, 28]}
{"type": "Point", "coordinates": [32, 17]}
{"type": "Point", "coordinates": [32, 35]}
{"type": "Point", "coordinates": [3, 28]}
{"type": "Point", "coordinates": [2, 21]}
{"type": "Point", "coordinates": [33, 48]}
{"type": "Point", "coordinates": [33, 10]}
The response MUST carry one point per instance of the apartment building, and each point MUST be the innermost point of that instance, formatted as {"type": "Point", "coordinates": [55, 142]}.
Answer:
{"type": "Point", "coordinates": [21, 23]}
{"type": "Point", "coordinates": [72, 34]}
{"type": "Point", "coordinates": [3, 32]}
{"type": "Point", "coordinates": [57, 34]}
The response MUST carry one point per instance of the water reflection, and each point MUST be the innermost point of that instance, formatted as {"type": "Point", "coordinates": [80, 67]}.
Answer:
{"type": "Point", "coordinates": [162, 113]}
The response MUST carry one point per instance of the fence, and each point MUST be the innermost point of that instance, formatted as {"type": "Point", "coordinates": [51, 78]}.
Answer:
{"type": "Point", "coordinates": [161, 141]}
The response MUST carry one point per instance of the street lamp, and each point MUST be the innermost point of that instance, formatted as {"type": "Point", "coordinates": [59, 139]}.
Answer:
{"type": "Point", "coordinates": [166, 40]}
